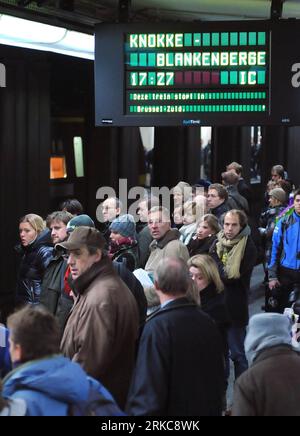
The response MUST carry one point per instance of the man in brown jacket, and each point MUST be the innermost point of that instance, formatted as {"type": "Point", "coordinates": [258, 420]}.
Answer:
{"type": "Point", "coordinates": [271, 387]}
{"type": "Point", "coordinates": [102, 329]}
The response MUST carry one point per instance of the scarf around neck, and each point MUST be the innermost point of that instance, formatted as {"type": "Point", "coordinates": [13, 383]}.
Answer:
{"type": "Point", "coordinates": [231, 252]}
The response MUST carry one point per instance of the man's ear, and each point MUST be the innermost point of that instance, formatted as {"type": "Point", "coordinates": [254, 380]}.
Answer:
{"type": "Point", "coordinates": [19, 352]}
{"type": "Point", "coordinates": [98, 255]}
{"type": "Point", "coordinates": [15, 351]}
{"type": "Point", "coordinates": [156, 285]}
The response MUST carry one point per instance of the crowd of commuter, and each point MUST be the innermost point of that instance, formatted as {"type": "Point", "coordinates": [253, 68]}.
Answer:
{"type": "Point", "coordinates": [146, 316]}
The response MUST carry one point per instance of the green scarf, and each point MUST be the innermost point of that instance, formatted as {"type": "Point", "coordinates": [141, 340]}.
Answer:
{"type": "Point", "coordinates": [231, 252]}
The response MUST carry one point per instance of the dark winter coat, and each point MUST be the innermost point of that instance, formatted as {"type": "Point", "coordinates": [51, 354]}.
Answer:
{"type": "Point", "coordinates": [35, 259]}
{"type": "Point", "coordinates": [245, 190]}
{"type": "Point", "coordinates": [144, 241]}
{"type": "Point", "coordinates": [213, 303]}
{"type": "Point", "coordinates": [271, 387]}
{"type": "Point", "coordinates": [236, 200]}
{"type": "Point", "coordinates": [219, 211]}
{"type": "Point", "coordinates": [201, 246]}
{"type": "Point", "coordinates": [52, 283]}
{"type": "Point", "coordinates": [179, 369]}
{"type": "Point", "coordinates": [128, 254]}
{"type": "Point", "coordinates": [135, 287]}
{"type": "Point", "coordinates": [237, 290]}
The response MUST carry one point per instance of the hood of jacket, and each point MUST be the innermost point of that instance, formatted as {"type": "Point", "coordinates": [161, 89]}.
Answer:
{"type": "Point", "coordinates": [266, 331]}
{"type": "Point", "coordinates": [171, 235]}
{"type": "Point", "coordinates": [56, 377]}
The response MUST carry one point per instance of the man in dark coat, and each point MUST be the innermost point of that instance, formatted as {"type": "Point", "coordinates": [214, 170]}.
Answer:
{"type": "Point", "coordinates": [236, 254]}
{"type": "Point", "coordinates": [144, 234]}
{"type": "Point", "coordinates": [243, 188]}
{"type": "Point", "coordinates": [53, 280]}
{"type": "Point", "coordinates": [271, 387]}
{"type": "Point", "coordinates": [179, 369]}
{"type": "Point", "coordinates": [235, 199]}
{"type": "Point", "coordinates": [217, 200]}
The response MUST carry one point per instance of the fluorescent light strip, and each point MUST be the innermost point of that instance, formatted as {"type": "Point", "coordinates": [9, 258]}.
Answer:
{"type": "Point", "coordinates": [18, 32]}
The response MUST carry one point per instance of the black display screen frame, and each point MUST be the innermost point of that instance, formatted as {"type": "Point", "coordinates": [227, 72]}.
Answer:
{"type": "Point", "coordinates": [111, 73]}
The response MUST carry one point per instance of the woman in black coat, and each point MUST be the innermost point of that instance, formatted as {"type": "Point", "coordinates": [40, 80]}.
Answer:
{"type": "Point", "coordinates": [209, 286]}
{"type": "Point", "coordinates": [36, 249]}
{"type": "Point", "coordinates": [207, 230]}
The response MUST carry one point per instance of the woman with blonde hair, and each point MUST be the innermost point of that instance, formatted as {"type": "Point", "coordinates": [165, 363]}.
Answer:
{"type": "Point", "coordinates": [207, 282]}
{"type": "Point", "coordinates": [36, 249]}
{"type": "Point", "coordinates": [207, 229]}
{"type": "Point", "coordinates": [190, 218]}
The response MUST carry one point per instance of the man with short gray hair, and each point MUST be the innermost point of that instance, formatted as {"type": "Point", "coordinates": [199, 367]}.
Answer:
{"type": "Point", "coordinates": [179, 369]}
{"type": "Point", "coordinates": [166, 240]}
{"type": "Point", "coordinates": [165, 244]}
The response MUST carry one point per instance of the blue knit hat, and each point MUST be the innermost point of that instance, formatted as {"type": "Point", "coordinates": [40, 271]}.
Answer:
{"type": "Point", "coordinates": [125, 225]}
{"type": "Point", "coordinates": [78, 221]}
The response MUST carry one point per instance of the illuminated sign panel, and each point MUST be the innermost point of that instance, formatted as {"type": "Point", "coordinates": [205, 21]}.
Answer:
{"type": "Point", "coordinates": [212, 73]}
{"type": "Point", "coordinates": [196, 72]}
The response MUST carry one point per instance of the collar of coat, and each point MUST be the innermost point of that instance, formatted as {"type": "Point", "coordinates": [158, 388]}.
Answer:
{"type": "Point", "coordinates": [271, 352]}
{"type": "Point", "coordinates": [178, 303]}
{"type": "Point", "coordinates": [171, 235]}
{"type": "Point", "coordinates": [103, 268]}
{"type": "Point", "coordinates": [208, 294]}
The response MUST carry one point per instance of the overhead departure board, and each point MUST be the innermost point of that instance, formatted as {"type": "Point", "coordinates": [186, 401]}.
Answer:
{"type": "Point", "coordinates": [211, 73]}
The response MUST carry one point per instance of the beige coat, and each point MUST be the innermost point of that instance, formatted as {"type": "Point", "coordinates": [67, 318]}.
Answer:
{"type": "Point", "coordinates": [102, 330]}
{"type": "Point", "coordinates": [169, 246]}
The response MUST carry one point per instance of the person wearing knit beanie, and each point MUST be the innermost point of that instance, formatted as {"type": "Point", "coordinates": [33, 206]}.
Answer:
{"type": "Point", "coordinates": [78, 221]}
{"type": "Point", "coordinates": [123, 241]}
{"type": "Point", "coordinates": [124, 225]}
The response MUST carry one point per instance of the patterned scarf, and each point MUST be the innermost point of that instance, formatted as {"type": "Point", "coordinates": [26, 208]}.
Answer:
{"type": "Point", "coordinates": [123, 243]}
{"type": "Point", "coordinates": [231, 252]}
